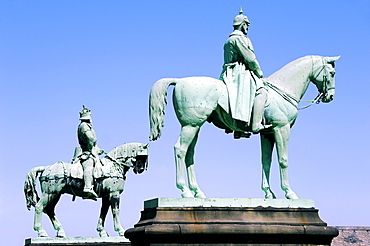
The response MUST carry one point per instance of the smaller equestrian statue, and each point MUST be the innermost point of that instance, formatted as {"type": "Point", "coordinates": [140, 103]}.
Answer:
{"type": "Point", "coordinates": [109, 177]}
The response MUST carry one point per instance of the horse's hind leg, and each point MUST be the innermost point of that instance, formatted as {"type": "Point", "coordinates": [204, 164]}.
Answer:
{"type": "Point", "coordinates": [42, 206]}
{"type": "Point", "coordinates": [181, 149]}
{"type": "Point", "coordinates": [189, 160]}
{"type": "Point", "coordinates": [39, 209]}
{"type": "Point", "coordinates": [50, 211]}
{"type": "Point", "coordinates": [267, 146]}
{"type": "Point", "coordinates": [103, 214]}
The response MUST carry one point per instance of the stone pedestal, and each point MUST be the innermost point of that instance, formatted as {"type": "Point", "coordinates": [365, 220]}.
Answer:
{"type": "Point", "coordinates": [77, 241]}
{"type": "Point", "coordinates": [221, 221]}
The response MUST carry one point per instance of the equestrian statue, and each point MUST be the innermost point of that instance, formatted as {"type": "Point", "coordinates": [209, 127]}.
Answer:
{"type": "Point", "coordinates": [87, 176]}
{"type": "Point", "coordinates": [243, 102]}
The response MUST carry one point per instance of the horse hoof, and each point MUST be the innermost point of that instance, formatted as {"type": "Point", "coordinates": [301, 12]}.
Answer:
{"type": "Point", "coordinates": [103, 234]}
{"type": "Point", "coordinates": [42, 234]}
{"type": "Point", "coordinates": [291, 195]}
{"type": "Point", "coordinates": [121, 233]}
{"type": "Point", "coordinates": [186, 194]}
{"type": "Point", "coordinates": [200, 195]}
{"type": "Point", "coordinates": [268, 193]}
{"type": "Point", "coordinates": [61, 234]}
{"type": "Point", "coordinates": [270, 196]}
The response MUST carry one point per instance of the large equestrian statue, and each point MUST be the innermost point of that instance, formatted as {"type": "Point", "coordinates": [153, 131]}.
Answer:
{"type": "Point", "coordinates": [198, 99]}
{"type": "Point", "coordinates": [66, 178]}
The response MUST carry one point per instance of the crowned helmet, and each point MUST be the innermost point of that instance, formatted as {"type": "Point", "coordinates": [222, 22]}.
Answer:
{"type": "Point", "coordinates": [240, 19]}
{"type": "Point", "coordinates": [85, 113]}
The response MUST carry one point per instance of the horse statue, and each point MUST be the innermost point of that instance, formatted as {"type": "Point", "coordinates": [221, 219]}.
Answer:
{"type": "Point", "coordinates": [62, 177]}
{"type": "Point", "coordinates": [197, 100]}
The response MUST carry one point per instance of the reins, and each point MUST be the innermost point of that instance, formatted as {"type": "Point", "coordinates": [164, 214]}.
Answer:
{"type": "Point", "coordinates": [291, 99]}
{"type": "Point", "coordinates": [316, 100]}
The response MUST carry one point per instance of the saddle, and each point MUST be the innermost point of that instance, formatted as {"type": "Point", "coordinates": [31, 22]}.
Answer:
{"type": "Point", "coordinates": [76, 170]}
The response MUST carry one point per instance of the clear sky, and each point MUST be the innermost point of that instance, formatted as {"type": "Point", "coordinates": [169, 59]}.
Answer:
{"type": "Point", "coordinates": [56, 56]}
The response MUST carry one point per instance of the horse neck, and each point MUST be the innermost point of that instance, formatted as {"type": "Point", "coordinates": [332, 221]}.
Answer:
{"type": "Point", "coordinates": [114, 166]}
{"type": "Point", "coordinates": [294, 77]}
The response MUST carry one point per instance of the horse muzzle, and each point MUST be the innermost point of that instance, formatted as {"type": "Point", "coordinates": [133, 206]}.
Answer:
{"type": "Point", "coordinates": [328, 97]}
{"type": "Point", "coordinates": [141, 164]}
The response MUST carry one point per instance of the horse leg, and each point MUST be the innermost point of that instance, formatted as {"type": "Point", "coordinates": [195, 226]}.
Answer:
{"type": "Point", "coordinates": [189, 160]}
{"type": "Point", "coordinates": [181, 148]}
{"type": "Point", "coordinates": [282, 134]}
{"type": "Point", "coordinates": [103, 214]}
{"type": "Point", "coordinates": [114, 202]}
{"type": "Point", "coordinates": [50, 211]}
{"type": "Point", "coordinates": [39, 208]}
{"type": "Point", "coordinates": [267, 145]}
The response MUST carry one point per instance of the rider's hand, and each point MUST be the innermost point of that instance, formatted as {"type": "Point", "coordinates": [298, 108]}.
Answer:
{"type": "Point", "coordinates": [258, 73]}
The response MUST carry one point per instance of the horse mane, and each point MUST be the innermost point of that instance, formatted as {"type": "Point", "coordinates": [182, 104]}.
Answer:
{"type": "Point", "coordinates": [289, 66]}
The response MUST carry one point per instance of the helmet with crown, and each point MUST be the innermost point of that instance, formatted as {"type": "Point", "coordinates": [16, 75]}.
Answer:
{"type": "Point", "coordinates": [240, 19]}
{"type": "Point", "coordinates": [85, 113]}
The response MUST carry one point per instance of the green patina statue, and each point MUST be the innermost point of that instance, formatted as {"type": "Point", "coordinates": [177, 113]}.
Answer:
{"type": "Point", "coordinates": [237, 103]}
{"type": "Point", "coordinates": [87, 176]}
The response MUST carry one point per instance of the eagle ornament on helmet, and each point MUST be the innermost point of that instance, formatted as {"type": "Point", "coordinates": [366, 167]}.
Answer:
{"type": "Point", "coordinates": [240, 19]}
{"type": "Point", "coordinates": [85, 113]}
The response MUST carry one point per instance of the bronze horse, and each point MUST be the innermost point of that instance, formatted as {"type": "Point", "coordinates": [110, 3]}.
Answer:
{"type": "Point", "coordinates": [58, 179]}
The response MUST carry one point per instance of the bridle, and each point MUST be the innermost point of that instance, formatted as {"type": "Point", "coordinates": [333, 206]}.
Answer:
{"type": "Point", "coordinates": [121, 162]}
{"type": "Point", "coordinates": [325, 88]}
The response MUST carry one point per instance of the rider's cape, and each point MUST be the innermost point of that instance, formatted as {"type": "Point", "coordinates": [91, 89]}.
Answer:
{"type": "Point", "coordinates": [240, 80]}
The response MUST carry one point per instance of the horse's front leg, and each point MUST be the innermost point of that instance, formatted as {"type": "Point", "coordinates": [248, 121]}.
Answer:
{"type": "Point", "coordinates": [103, 214]}
{"type": "Point", "coordinates": [267, 146]}
{"type": "Point", "coordinates": [114, 201]}
{"type": "Point", "coordinates": [50, 211]}
{"type": "Point", "coordinates": [282, 134]}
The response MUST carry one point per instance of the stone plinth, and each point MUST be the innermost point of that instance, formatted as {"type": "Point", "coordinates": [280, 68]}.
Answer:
{"type": "Point", "coordinates": [77, 241]}
{"type": "Point", "coordinates": [192, 221]}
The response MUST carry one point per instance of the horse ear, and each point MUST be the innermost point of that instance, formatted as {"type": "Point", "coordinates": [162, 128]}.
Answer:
{"type": "Point", "coordinates": [146, 146]}
{"type": "Point", "coordinates": [332, 59]}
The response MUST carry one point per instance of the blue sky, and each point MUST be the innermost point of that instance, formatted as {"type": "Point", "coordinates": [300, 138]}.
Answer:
{"type": "Point", "coordinates": [56, 56]}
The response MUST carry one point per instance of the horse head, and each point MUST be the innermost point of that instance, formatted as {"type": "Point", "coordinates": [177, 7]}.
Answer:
{"type": "Point", "coordinates": [141, 160]}
{"type": "Point", "coordinates": [133, 155]}
{"type": "Point", "coordinates": [323, 73]}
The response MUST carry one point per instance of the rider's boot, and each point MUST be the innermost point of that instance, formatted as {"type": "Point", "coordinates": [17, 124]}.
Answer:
{"type": "Point", "coordinates": [258, 110]}
{"type": "Point", "coordinates": [89, 182]}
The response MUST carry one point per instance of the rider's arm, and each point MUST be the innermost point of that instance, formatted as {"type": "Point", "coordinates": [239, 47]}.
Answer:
{"type": "Point", "coordinates": [91, 139]}
{"type": "Point", "coordinates": [244, 45]}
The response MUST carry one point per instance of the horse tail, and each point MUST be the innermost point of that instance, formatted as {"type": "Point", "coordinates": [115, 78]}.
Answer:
{"type": "Point", "coordinates": [157, 106]}
{"type": "Point", "coordinates": [30, 191]}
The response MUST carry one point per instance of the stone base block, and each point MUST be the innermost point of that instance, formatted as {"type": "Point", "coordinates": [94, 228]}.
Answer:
{"type": "Point", "coordinates": [217, 222]}
{"type": "Point", "coordinates": [77, 241]}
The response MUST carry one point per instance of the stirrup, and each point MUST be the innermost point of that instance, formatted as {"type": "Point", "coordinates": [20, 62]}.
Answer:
{"type": "Point", "coordinates": [264, 127]}
{"type": "Point", "coordinates": [90, 194]}
{"type": "Point", "coordinates": [238, 135]}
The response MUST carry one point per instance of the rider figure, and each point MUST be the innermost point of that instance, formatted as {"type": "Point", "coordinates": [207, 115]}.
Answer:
{"type": "Point", "coordinates": [90, 152]}
{"type": "Point", "coordinates": [241, 74]}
